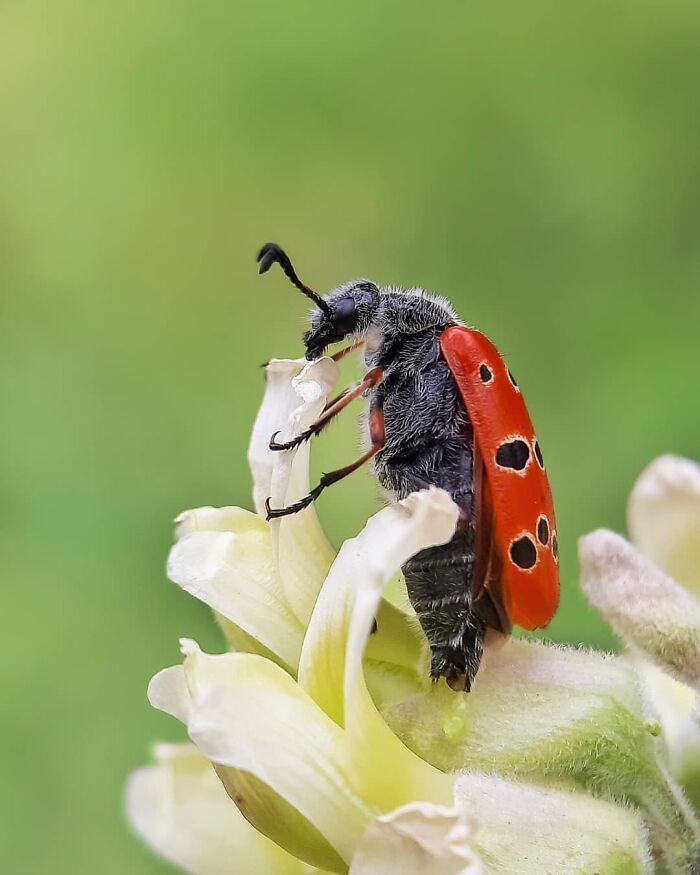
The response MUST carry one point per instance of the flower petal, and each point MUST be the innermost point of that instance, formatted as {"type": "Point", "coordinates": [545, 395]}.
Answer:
{"type": "Point", "coordinates": [168, 692]}
{"type": "Point", "coordinates": [279, 402]}
{"type": "Point", "coordinates": [215, 519]}
{"type": "Point", "coordinates": [417, 839]}
{"type": "Point", "coordinates": [663, 516]}
{"type": "Point", "coordinates": [330, 669]}
{"type": "Point", "coordinates": [531, 830]}
{"type": "Point", "coordinates": [642, 604]}
{"type": "Point", "coordinates": [181, 810]}
{"type": "Point", "coordinates": [284, 755]}
{"type": "Point", "coordinates": [302, 551]}
{"type": "Point", "coordinates": [224, 558]}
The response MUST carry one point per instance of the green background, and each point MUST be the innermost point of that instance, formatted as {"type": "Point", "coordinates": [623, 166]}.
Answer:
{"type": "Point", "coordinates": [537, 163]}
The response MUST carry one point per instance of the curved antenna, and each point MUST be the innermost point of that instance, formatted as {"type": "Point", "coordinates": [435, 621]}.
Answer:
{"type": "Point", "coordinates": [271, 253]}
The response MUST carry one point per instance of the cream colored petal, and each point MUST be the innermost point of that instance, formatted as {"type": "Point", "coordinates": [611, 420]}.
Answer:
{"type": "Point", "coordinates": [642, 604]}
{"type": "Point", "coordinates": [330, 668]}
{"type": "Point", "coordinates": [241, 641]}
{"type": "Point", "coordinates": [249, 715]}
{"type": "Point", "coordinates": [663, 516]}
{"type": "Point", "coordinates": [279, 402]}
{"type": "Point", "coordinates": [168, 692]}
{"type": "Point", "coordinates": [398, 640]}
{"type": "Point", "coordinates": [217, 519]}
{"type": "Point", "coordinates": [302, 551]}
{"type": "Point", "coordinates": [181, 810]}
{"type": "Point", "coordinates": [530, 830]}
{"type": "Point", "coordinates": [229, 566]}
{"type": "Point", "coordinates": [417, 839]}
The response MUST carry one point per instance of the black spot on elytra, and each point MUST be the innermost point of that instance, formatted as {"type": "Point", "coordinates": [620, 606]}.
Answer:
{"type": "Point", "coordinates": [543, 531]}
{"type": "Point", "coordinates": [512, 379]}
{"type": "Point", "coordinates": [485, 374]}
{"type": "Point", "coordinates": [538, 453]}
{"type": "Point", "coordinates": [523, 552]}
{"type": "Point", "coordinates": [555, 546]}
{"type": "Point", "coordinates": [513, 454]}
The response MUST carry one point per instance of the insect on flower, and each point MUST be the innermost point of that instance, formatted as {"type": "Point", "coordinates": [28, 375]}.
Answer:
{"type": "Point", "coordinates": [444, 410]}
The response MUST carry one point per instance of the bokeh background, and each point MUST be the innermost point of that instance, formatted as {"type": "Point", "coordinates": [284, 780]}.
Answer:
{"type": "Point", "coordinates": [537, 163]}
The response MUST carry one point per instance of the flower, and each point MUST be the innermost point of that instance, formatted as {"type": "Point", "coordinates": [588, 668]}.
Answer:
{"type": "Point", "coordinates": [649, 591]}
{"type": "Point", "coordinates": [319, 746]}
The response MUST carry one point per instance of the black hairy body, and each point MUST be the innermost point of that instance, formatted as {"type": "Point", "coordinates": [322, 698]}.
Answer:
{"type": "Point", "coordinates": [428, 441]}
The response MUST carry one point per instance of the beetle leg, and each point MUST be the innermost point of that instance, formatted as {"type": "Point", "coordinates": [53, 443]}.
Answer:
{"type": "Point", "coordinates": [376, 430]}
{"type": "Point", "coordinates": [371, 379]}
{"type": "Point", "coordinates": [326, 480]}
{"type": "Point", "coordinates": [337, 356]}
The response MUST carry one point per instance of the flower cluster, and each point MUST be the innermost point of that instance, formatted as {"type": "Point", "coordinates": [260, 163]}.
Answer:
{"type": "Point", "coordinates": [318, 746]}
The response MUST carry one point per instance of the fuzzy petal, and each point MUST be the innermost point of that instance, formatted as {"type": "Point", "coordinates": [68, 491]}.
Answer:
{"type": "Point", "coordinates": [571, 697]}
{"type": "Point", "coordinates": [663, 516]}
{"type": "Point", "coordinates": [532, 830]}
{"type": "Point", "coordinates": [551, 713]}
{"type": "Point", "coordinates": [642, 604]}
{"type": "Point", "coordinates": [417, 839]}
{"type": "Point", "coordinates": [224, 558]}
{"type": "Point", "coordinates": [182, 811]}
{"type": "Point", "coordinates": [330, 668]}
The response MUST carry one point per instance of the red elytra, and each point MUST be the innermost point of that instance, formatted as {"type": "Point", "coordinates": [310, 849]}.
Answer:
{"type": "Point", "coordinates": [516, 531]}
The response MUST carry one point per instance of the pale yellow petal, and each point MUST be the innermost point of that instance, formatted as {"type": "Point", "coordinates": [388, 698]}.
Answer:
{"type": "Point", "coordinates": [180, 808]}
{"type": "Point", "coordinates": [216, 519]}
{"type": "Point", "coordinates": [231, 569]}
{"type": "Point", "coordinates": [249, 715]}
{"type": "Point", "coordinates": [168, 692]}
{"type": "Point", "coordinates": [330, 668]}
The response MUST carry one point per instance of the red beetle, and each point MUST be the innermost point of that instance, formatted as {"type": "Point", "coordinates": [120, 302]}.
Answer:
{"type": "Point", "coordinates": [444, 410]}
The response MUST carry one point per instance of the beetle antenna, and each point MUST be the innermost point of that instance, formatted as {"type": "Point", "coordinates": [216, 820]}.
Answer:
{"type": "Point", "coordinates": [271, 253]}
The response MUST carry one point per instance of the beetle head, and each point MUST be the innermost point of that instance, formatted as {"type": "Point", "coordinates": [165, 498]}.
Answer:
{"type": "Point", "coordinates": [347, 311]}
{"type": "Point", "coordinates": [350, 309]}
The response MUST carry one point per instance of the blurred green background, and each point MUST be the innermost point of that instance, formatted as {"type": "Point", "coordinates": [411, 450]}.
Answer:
{"type": "Point", "coordinates": [537, 163]}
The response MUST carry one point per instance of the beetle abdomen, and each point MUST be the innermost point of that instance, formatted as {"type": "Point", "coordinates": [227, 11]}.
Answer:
{"type": "Point", "coordinates": [439, 583]}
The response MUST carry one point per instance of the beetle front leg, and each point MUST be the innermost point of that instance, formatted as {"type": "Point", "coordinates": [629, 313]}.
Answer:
{"type": "Point", "coordinates": [371, 379]}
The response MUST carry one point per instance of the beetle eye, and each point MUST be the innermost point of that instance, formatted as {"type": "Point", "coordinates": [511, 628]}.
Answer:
{"type": "Point", "coordinates": [344, 316]}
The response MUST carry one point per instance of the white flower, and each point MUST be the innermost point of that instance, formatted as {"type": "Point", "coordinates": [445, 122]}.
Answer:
{"type": "Point", "coordinates": [335, 751]}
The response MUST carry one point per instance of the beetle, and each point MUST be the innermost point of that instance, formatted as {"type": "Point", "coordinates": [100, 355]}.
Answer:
{"type": "Point", "coordinates": [445, 411]}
